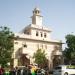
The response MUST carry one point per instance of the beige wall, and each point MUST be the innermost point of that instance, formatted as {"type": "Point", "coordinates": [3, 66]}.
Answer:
{"type": "Point", "coordinates": [32, 46]}
{"type": "Point", "coordinates": [33, 32]}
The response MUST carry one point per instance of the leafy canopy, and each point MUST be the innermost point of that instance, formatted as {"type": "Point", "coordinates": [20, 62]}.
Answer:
{"type": "Point", "coordinates": [6, 45]}
{"type": "Point", "coordinates": [40, 56]}
{"type": "Point", "coordinates": [69, 51]}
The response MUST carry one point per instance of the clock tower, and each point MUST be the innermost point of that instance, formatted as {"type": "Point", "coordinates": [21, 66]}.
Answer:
{"type": "Point", "coordinates": [37, 18]}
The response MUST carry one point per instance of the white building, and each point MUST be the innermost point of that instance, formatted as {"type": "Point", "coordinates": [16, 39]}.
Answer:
{"type": "Point", "coordinates": [33, 37]}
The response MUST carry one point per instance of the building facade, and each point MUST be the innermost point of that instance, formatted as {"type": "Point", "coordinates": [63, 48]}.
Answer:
{"type": "Point", "coordinates": [33, 37]}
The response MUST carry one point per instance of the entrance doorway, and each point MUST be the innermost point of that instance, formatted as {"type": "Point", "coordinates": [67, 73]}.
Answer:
{"type": "Point", "coordinates": [56, 61]}
{"type": "Point", "coordinates": [24, 60]}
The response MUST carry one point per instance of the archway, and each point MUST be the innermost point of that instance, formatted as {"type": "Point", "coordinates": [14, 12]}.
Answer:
{"type": "Point", "coordinates": [23, 61]}
{"type": "Point", "coordinates": [56, 60]}
{"type": "Point", "coordinates": [56, 56]}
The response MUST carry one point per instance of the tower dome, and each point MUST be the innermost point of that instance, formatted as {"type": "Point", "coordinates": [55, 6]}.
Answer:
{"type": "Point", "coordinates": [36, 11]}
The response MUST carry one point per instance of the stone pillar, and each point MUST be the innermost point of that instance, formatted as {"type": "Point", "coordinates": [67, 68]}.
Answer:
{"type": "Point", "coordinates": [31, 62]}
{"type": "Point", "coordinates": [50, 65]}
{"type": "Point", "coordinates": [15, 62]}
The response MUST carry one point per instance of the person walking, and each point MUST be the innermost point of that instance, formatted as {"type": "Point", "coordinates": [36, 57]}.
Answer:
{"type": "Point", "coordinates": [1, 70]}
{"type": "Point", "coordinates": [33, 70]}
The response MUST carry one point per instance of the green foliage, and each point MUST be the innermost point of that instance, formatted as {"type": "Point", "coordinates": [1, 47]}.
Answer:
{"type": "Point", "coordinates": [69, 51]}
{"type": "Point", "coordinates": [6, 45]}
{"type": "Point", "coordinates": [40, 57]}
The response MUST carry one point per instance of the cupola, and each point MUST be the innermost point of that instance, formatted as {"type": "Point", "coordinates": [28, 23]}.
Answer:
{"type": "Point", "coordinates": [36, 11]}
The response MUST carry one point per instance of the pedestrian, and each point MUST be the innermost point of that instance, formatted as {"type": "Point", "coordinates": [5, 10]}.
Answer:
{"type": "Point", "coordinates": [25, 71]}
{"type": "Point", "coordinates": [1, 70]}
{"type": "Point", "coordinates": [19, 71]}
{"type": "Point", "coordinates": [14, 71]}
{"type": "Point", "coordinates": [42, 71]}
{"type": "Point", "coordinates": [39, 72]}
{"type": "Point", "coordinates": [33, 70]}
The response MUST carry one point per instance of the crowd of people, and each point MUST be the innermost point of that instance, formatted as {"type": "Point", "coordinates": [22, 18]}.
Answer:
{"type": "Point", "coordinates": [25, 70]}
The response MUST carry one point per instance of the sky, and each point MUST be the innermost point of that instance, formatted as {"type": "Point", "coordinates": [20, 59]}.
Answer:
{"type": "Point", "coordinates": [58, 15]}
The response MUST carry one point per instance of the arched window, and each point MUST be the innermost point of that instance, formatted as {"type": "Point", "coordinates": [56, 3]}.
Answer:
{"type": "Point", "coordinates": [45, 35]}
{"type": "Point", "coordinates": [41, 34]}
{"type": "Point", "coordinates": [37, 33]}
{"type": "Point", "coordinates": [38, 12]}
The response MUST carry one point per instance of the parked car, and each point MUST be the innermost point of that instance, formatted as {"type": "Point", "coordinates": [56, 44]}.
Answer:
{"type": "Point", "coordinates": [64, 70]}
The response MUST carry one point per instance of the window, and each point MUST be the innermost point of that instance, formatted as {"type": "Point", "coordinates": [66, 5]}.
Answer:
{"type": "Point", "coordinates": [70, 67]}
{"type": "Point", "coordinates": [45, 35]}
{"type": "Point", "coordinates": [28, 33]}
{"type": "Point", "coordinates": [57, 68]}
{"type": "Point", "coordinates": [35, 11]}
{"type": "Point", "coordinates": [17, 37]}
{"type": "Point", "coordinates": [36, 33]}
{"type": "Point", "coordinates": [24, 45]}
{"type": "Point", "coordinates": [41, 34]}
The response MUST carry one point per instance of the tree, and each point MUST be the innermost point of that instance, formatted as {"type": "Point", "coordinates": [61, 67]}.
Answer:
{"type": "Point", "coordinates": [69, 51]}
{"type": "Point", "coordinates": [6, 45]}
{"type": "Point", "coordinates": [40, 57]}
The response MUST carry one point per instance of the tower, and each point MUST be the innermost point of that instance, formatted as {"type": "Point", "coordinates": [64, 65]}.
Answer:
{"type": "Point", "coordinates": [37, 18]}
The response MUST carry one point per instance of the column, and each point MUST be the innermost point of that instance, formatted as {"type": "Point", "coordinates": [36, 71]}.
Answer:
{"type": "Point", "coordinates": [15, 62]}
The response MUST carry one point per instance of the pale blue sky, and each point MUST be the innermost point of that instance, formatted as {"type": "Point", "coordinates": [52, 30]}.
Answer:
{"type": "Point", "coordinates": [59, 15]}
